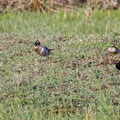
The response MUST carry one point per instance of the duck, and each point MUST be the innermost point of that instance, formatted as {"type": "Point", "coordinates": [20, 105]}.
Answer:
{"type": "Point", "coordinates": [114, 50]}
{"type": "Point", "coordinates": [41, 50]}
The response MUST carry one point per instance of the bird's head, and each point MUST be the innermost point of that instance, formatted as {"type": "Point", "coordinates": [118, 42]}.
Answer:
{"type": "Point", "coordinates": [37, 43]}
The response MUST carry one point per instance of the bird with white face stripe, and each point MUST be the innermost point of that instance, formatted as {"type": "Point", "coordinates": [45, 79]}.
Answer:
{"type": "Point", "coordinates": [41, 50]}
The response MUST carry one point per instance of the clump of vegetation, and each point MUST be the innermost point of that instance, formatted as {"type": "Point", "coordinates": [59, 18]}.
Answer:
{"type": "Point", "coordinates": [22, 5]}
{"type": "Point", "coordinates": [105, 4]}
{"type": "Point", "coordinates": [31, 5]}
{"type": "Point", "coordinates": [52, 5]}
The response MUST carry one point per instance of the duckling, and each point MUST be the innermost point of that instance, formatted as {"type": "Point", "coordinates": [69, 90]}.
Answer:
{"type": "Point", "coordinates": [41, 50]}
{"type": "Point", "coordinates": [113, 49]}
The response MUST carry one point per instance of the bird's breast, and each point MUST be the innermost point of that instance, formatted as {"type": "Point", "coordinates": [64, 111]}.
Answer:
{"type": "Point", "coordinates": [37, 49]}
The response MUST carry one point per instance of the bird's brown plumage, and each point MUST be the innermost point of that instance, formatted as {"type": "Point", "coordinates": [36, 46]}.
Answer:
{"type": "Point", "coordinates": [41, 50]}
{"type": "Point", "coordinates": [37, 49]}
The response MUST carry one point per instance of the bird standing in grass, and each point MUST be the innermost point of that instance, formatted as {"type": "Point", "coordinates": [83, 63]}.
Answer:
{"type": "Point", "coordinates": [41, 50]}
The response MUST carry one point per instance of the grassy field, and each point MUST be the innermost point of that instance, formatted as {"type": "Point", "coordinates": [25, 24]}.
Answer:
{"type": "Point", "coordinates": [78, 81]}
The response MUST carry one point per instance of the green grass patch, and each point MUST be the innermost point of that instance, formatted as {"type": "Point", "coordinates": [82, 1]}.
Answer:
{"type": "Point", "coordinates": [73, 23]}
{"type": "Point", "coordinates": [78, 81]}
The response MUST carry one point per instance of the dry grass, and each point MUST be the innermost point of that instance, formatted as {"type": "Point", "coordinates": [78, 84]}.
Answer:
{"type": "Point", "coordinates": [31, 5]}
{"type": "Point", "coordinates": [52, 5]}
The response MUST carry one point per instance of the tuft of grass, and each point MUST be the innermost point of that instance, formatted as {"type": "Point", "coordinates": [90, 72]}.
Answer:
{"type": "Point", "coordinates": [73, 23]}
{"type": "Point", "coordinates": [78, 81]}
